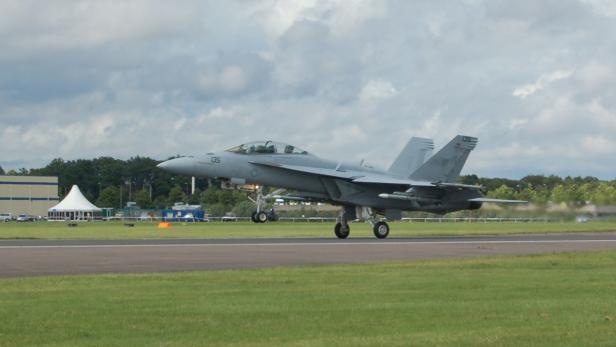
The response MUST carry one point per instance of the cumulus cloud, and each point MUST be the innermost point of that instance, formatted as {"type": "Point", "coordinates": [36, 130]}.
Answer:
{"type": "Point", "coordinates": [535, 81]}
{"type": "Point", "coordinates": [528, 89]}
{"type": "Point", "coordinates": [374, 90]}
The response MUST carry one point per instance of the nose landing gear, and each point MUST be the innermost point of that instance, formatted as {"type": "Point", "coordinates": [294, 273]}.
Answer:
{"type": "Point", "coordinates": [259, 217]}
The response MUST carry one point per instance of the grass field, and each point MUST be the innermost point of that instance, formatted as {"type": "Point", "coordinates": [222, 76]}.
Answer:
{"type": "Point", "coordinates": [116, 230]}
{"type": "Point", "coordinates": [547, 300]}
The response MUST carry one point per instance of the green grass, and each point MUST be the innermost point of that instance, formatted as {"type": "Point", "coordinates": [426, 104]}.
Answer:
{"type": "Point", "coordinates": [116, 230]}
{"type": "Point", "coordinates": [546, 300]}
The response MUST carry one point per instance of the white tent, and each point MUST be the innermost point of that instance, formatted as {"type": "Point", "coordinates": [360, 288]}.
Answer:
{"type": "Point", "coordinates": [74, 206]}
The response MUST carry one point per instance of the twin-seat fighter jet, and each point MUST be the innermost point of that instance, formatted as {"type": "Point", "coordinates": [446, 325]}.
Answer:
{"type": "Point", "coordinates": [412, 183]}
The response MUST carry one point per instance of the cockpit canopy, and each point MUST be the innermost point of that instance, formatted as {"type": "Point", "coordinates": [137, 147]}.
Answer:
{"type": "Point", "coordinates": [266, 147]}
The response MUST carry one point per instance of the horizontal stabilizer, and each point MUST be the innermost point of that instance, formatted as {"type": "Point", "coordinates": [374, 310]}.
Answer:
{"type": "Point", "coordinates": [381, 179]}
{"type": "Point", "coordinates": [498, 201]}
{"type": "Point", "coordinates": [459, 186]}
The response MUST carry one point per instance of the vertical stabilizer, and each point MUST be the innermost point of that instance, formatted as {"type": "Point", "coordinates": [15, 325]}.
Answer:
{"type": "Point", "coordinates": [445, 166]}
{"type": "Point", "coordinates": [412, 156]}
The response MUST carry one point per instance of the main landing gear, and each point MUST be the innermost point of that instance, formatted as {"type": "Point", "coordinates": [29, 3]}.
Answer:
{"type": "Point", "coordinates": [379, 228]}
{"type": "Point", "coordinates": [342, 228]}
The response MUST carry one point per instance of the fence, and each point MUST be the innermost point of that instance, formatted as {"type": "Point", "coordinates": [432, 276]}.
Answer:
{"type": "Point", "coordinates": [480, 220]}
{"type": "Point", "coordinates": [332, 220]}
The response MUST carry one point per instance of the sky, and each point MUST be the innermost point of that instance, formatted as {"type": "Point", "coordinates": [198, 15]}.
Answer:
{"type": "Point", "coordinates": [535, 81]}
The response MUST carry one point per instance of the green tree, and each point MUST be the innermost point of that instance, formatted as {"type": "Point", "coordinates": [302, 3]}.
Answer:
{"type": "Point", "coordinates": [567, 193]}
{"type": "Point", "coordinates": [605, 194]}
{"type": "Point", "coordinates": [1, 171]}
{"type": "Point", "coordinates": [469, 179]}
{"type": "Point", "coordinates": [142, 198]}
{"type": "Point", "coordinates": [244, 208]}
{"type": "Point", "coordinates": [195, 199]}
{"type": "Point", "coordinates": [502, 192]}
{"type": "Point", "coordinates": [176, 194]}
{"type": "Point", "coordinates": [214, 195]}
{"type": "Point", "coordinates": [586, 191]}
{"type": "Point", "coordinates": [542, 197]}
{"type": "Point", "coordinates": [210, 196]}
{"type": "Point", "coordinates": [159, 202]}
{"type": "Point", "coordinates": [216, 210]}
{"type": "Point", "coordinates": [110, 197]}
{"type": "Point", "coordinates": [527, 194]}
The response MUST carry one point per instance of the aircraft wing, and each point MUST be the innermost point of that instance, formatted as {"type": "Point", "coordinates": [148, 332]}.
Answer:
{"type": "Point", "coordinates": [313, 170]}
{"type": "Point", "coordinates": [502, 201]}
{"type": "Point", "coordinates": [354, 176]}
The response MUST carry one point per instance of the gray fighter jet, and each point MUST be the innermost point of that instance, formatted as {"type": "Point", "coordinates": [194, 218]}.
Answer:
{"type": "Point", "coordinates": [412, 183]}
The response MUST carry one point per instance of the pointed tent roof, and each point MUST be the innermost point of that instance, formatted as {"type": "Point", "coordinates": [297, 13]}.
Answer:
{"type": "Point", "coordinates": [75, 201]}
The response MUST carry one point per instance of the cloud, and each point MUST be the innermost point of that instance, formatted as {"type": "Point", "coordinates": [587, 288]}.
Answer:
{"type": "Point", "coordinates": [528, 89]}
{"type": "Point", "coordinates": [535, 81]}
{"type": "Point", "coordinates": [376, 89]}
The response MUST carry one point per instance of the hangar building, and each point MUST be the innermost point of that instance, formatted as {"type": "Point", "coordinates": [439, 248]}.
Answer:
{"type": "Point", "coordinates": [31, 195]}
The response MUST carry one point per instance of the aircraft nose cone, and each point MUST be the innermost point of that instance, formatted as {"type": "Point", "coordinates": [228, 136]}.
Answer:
{"type": "Point", "coordinates": [182, 166]}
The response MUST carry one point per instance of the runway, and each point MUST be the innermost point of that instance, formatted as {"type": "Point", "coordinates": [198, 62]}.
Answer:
{"type": "Point", "coordinates": [64, 257]}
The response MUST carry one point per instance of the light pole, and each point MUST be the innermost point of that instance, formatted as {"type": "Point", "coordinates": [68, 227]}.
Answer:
{"type": "Point", "coordinates": [128, 182]}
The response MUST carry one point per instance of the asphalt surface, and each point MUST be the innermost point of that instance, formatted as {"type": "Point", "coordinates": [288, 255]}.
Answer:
{"type": "Point", "coordinates": [64, 257]}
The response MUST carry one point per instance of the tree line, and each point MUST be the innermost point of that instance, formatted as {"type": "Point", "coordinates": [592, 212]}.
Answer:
{"type": "Point", "coordinates": [110, 182]}
{"type": "Point", "coordinates": [541, 190]}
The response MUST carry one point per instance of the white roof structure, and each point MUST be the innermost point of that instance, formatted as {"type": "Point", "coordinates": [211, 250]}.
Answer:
{"type": "Point", "coordinates": [74, 202]}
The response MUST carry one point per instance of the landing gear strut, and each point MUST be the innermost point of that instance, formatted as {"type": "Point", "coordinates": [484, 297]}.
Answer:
{"type": "Point", "coordinates": [379, 228]}
{"type": "Point", "coordinates": [259, 216]}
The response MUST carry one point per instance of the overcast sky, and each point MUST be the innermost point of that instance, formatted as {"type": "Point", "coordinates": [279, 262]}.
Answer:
{"type": "Point", "coordinates": [534, 80]}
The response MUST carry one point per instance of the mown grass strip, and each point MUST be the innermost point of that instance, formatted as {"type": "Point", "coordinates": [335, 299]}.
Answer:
{"type": "Point", "coordinates": [142, 230]}
{"type": "Point", "coordinates": [546, 300]}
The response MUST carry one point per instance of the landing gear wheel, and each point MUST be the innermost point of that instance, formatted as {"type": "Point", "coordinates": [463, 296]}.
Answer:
{"type": "Point", "coordinates": [342, 231]}
{"type": "Point", "coordinates": [261, 217]}
{"type": "Point", "coordinates": [381, 230]}
{"type": "Point", "coordinates": [253, 217]}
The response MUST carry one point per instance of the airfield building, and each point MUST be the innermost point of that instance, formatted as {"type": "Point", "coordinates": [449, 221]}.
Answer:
{"type": "Point", "coordinates": [30, 195]}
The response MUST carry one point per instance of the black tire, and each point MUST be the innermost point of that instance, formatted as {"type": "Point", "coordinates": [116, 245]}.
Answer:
{"type": "Point", "coordinates": [261, 217]}
{"type": "Point", "coordinates": [341, 232]}
{"type": "Point", "coordinates": [381, 230]}
{"type": "Point", "coordinates": [253, 217]}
